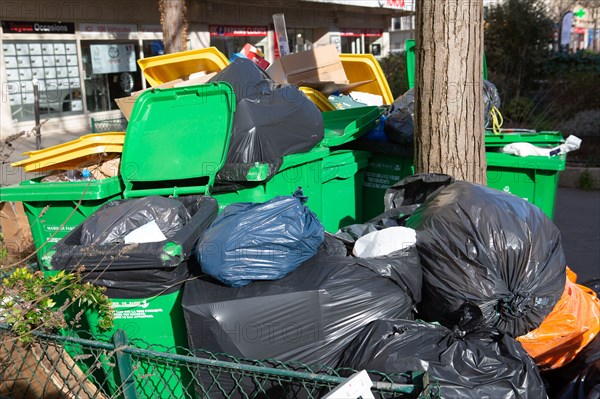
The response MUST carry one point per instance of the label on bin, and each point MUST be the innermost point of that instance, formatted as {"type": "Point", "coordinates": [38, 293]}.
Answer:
{"type": "Point", "coordinates": [134, 310]}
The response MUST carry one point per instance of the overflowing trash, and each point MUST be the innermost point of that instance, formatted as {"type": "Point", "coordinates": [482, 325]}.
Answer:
{"type": "Point", "coordinates": [572, 143]}
{"type": "Point", "coordinates": [309, 315]}
{"type": "Point", "coordinates": [568, 329]}
{"type": "Point", "coordinates": [490, 248]}
{"type": "Point", "coordinates": [212, 247]}
{"type": "Point", "coordinates": [270, 121]}
{"type": "Point", "coordinates": [463, 362]}
{"type": "Point", "coordinates": [138, 269]}
{"type": "Point", "coordinates": [250, 242]}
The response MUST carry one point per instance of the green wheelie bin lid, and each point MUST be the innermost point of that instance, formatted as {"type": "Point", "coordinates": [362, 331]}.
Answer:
{"type": "Point", "coordinates": [177, 140]}
{"type": "Point", "coordinates": [346, 125]}
{"type": "Point", "coordinates": [523, 136]}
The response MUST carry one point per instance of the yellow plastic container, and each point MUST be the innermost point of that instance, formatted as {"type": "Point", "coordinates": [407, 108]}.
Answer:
{"type": "Point", "coordinates": [360, 67]}
{"type": "Point", "coordinates": [73, 153]}
{"type": "Point", "coordinates": [318, 98]}
{"type": "Point", "coordinates": [165, 68]}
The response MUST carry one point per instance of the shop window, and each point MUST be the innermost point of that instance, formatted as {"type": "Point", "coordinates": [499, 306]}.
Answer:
{"type": "Point", "coordinates": [54, 64]}
{"type": "Point", "coordinates": [110, 72]}
{"type": "Point", "coordinates": [352, 45]}
{"type": "Point", "coordinates": [153, 48]}
{"type": "Point", "coordinates": [300, 39]}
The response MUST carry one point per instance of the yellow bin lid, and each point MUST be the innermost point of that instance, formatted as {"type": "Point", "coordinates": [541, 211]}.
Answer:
{"type": "Point", "coordinates": [318, 98]}
{"type": "Point", "coordinates": [359, 67]}
{"type": "Point", "coordinates": [165, 68]}
{"type": "Point", "coordinates": [73, 153]}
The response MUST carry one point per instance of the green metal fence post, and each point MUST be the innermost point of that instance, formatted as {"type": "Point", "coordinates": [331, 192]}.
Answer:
{"type": "Point", "coordinates": [125, 366]}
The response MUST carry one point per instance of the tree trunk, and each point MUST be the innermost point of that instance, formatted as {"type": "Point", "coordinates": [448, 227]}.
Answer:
{"type": "Point", "coordinates": [449, 130]}
{"type": "Point", "coordinates": [174, 25]}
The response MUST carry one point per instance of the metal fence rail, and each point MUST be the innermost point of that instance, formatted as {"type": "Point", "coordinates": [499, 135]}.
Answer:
{"type": "Point", "coordinates": [109, 125]}
{"type": "Point", "coordinates": [55, 366]}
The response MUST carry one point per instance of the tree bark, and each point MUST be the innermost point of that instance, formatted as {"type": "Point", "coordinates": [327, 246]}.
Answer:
{"type": "Point", "coordinates": [449, 130]}
{"type": "Point", "coordinates": [174, 25]}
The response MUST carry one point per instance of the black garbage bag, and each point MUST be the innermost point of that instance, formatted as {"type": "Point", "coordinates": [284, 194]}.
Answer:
{"type": "Point", "coordinates": [460, 364]}
{"type": "Point", "coordinates": [494, 249]}
{"type": "Point", "coordinates": [580, 378]}
{"type": "Point", "coordinates": [413, 190]}
{"type": "Point", "coordinates": [138, 270]}
{"type": "Point", "coordinates": [270, 121]}
{"type": "Point", "coordinates": [399, 126]}
{"type": "Point", "coordinates": [264, 241]}
{"type": "Point", "coordinates": [491, 99]}
{"type": "Point", "coordinates": [116, 219]}
{"type": "Point", "coordinates": [308, 316]}
{"type": "Point", "coordinates": [401, 200]}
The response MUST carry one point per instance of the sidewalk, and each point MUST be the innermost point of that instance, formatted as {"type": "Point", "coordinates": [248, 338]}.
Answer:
{"type": "Point", "coordinates": [577, 215]}
{"type": "Point", "coordinates": [9, 175]}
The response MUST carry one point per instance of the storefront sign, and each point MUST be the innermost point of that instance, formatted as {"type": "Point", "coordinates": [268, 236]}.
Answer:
{"type": "Point", "coordinates": [151, 28]}
{"type": "Point", "coordinates": [229, 30]}
{"type": "Point", "coordinates": [37, 27]}
{"type": "Point", "coordinates": [355, 32]}
{"type": "Point", "coordinates": [391, 4]}
{"type": "Point", "coordinates": [112, 58]}
{"type": "Point", "coordinates": [108, 28]}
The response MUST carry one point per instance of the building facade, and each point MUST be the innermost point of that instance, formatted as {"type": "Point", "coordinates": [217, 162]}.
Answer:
{"type": "Point", "coordinates": [83, 55]}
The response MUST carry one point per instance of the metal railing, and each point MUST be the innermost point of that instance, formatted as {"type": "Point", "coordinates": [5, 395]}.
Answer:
{"type": "Point", "coordinates": [109, 125]}
{"type": "Point", "coordinates": [75, 366]}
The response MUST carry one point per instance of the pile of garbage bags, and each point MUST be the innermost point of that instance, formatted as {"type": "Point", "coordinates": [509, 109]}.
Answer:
{"type": "Point", "coordinates": [271, 120]}
{"type": "Point", "coordinates": [465, 283]}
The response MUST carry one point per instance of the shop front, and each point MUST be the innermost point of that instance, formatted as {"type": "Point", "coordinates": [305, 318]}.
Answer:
{"type": "Point", "coordinates": [80, 69]}
{"type": "Point", "coordinates": [230, 39]}
{"type": "Point", "coordinates": [357, 41]}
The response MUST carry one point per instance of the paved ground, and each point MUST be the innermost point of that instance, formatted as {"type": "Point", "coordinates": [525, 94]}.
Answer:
{"type": "Point", "coordinates": [577, 213]}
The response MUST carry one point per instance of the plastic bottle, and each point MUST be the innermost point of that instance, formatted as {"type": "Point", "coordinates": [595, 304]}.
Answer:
{"type": "Point", "coordinates": [79, 175]}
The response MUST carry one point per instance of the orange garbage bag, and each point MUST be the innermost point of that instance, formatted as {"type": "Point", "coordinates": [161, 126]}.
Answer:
{"type": "Point", "coordinates": [572, 324]}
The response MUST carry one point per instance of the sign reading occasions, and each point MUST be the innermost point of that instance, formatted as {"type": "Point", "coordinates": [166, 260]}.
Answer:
{"type": "Point", "coordinates": [230, 30]}
{"type": "Point", "coordinates": [37, 27]}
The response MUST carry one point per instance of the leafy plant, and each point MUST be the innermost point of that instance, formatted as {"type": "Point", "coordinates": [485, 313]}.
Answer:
{"type": "Point", "coordinates": [394, 69]}
{"type": "Point", "coordinates": [585, 182]}
{"type": "Point", "coordinates": [29, 301]}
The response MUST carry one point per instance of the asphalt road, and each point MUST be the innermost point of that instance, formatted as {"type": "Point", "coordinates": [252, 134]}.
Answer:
{"type": "Point", "coordinates": [577, 215]}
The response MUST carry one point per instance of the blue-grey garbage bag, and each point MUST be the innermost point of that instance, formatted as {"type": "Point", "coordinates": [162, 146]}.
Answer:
{"type": "Point", "coordinates": [263, 241]}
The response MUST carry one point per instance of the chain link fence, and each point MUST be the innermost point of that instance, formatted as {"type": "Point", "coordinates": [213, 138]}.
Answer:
{"type": "Point", "coordinates": [75, 366]}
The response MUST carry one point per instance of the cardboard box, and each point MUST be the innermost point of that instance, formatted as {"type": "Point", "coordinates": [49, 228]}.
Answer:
{"type": "Point", "coordinates": [321, 64]}
{"type": "Point", "coordinates": [125, 104]}
{"type": "Point", "coordinates": [319, 68]}
{"type": "Point", "coordinates": [15, 229]}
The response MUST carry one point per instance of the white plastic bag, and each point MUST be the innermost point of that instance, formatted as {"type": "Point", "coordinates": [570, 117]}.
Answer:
{"type": "Point", "coordinates": [384, 242]}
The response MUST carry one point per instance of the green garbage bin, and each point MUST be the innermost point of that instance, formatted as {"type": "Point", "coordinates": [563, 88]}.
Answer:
{"type": "Point", "coordinates": [176, 142]}
{"type": "Point", "coordinates": [532, 178]}
{"type": "Point", "coordinates": [343, 177]}
{"type": "Point", "coordinates": [297, 170]}
{"type": "Point", "coordinates": [382, 172]}
{"type": "Point", "coordinates": [54, 209]}
{"type": "Point", "coordinates": [305, 169]}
